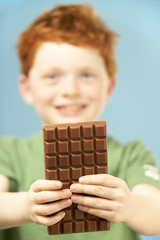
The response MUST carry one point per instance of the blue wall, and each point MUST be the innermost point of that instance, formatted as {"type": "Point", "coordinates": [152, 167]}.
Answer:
{"type": "Point", "coordinates": [133, 111]}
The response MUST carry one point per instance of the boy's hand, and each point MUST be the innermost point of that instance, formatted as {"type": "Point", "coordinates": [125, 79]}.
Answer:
{"type": "Point", "coordinates": [111, 198]}
{"type": "Point", "coordinates": [45, 200]}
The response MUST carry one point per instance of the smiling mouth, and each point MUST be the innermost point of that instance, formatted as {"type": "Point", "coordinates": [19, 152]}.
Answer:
{"type": "Point", "coordinates": [70, 110]}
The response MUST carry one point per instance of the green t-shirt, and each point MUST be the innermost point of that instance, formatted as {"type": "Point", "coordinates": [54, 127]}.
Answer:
{"type": "Point", "coordinates": [22, 162]}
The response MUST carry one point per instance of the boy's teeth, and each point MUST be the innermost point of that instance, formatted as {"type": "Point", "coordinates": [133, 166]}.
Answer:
{"type": "Point", "coordinates": [70, 108]}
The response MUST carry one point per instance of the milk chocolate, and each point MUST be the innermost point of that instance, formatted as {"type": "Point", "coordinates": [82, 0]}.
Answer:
{"type": "Point", "coordinates": [71, 151]}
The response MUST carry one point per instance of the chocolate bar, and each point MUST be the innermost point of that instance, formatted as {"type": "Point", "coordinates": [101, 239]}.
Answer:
{"type": "Point", "coordinates": [71, 151]}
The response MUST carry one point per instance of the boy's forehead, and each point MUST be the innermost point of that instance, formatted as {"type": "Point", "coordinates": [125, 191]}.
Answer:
{"type": "Point", "coordinates": [54, 47]}
{"type": "Point", "coordinates": [52, 53]}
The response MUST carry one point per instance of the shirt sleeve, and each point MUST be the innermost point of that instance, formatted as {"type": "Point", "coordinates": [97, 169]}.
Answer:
{"type": "Point", "coordinates": [141, 165]}
{"type": "Point", "coordinates": [8, 161]}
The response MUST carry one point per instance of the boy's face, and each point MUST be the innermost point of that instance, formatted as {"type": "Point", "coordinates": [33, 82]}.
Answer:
{"type": "Point", "coordinates": [67, 83]}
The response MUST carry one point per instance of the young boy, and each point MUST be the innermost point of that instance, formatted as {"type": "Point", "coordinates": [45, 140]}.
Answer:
{"type": "Point", "coordinates": [68, 74]}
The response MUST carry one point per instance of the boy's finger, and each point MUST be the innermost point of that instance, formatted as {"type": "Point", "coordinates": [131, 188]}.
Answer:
{"type": "Point", "coordinates": [101, 179]}
{"type": "Point", "coordinates": [52, 208]}
{"type": "Point", "coordinates": [50, 220]}
{"type": "Point", "coordinates": [95, 202]}
{"type": "Point", "coordinates": [45, 185]}
{"type": "Point", "coordinates": [51, 196]}
{"type": "Point", "coordinates": [99, 191]}
{"type": "Point", "coordinates": [97, 212]}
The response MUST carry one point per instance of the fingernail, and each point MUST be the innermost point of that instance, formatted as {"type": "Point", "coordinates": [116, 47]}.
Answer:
{"type": "Point", "coordinates": [74, 198]}
{"type": "Point", "coordinates": [73, 187]}
{"type": "Point", "coordinates": [80, 207]}
{"type": "Point", "coordinates": [68, 193]}
{"type": "Point", "coordinates": [81, 180]}
{"type": "Point", "coordinates": [58, 184]}
{"type": "Point", "coordinates": [62, 214]}
{"type": "Point", "coordinates": [68, 202]}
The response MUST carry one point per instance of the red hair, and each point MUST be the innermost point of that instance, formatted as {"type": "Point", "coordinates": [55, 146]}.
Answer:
{"type": "Point", "coordinates": [78, 25]}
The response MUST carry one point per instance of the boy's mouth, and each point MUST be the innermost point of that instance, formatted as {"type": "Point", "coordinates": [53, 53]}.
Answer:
{"type": "Point", "coordinates": [70, 110]}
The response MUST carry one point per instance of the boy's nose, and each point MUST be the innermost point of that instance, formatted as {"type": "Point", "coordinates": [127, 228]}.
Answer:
{"type": "Point", "coordinates": [70, 87]}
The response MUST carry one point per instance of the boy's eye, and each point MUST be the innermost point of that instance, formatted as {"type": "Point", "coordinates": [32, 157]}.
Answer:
{"type": "Point", "coordinates": [87, 75]}
{"type": "Point", "coordinates": [52, 76]}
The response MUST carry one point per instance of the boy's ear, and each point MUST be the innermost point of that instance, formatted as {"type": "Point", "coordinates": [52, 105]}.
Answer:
{"type": "Point", "coordinates": [25, 90]}
{"type": "Point", "coordinates": [111, 87]}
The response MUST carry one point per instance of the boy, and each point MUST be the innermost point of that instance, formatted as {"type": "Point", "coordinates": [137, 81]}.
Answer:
{"type": "Point", "coordinates": [68, 74]}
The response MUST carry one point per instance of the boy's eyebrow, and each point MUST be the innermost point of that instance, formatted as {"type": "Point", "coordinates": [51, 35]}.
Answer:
{"type": "Point", "coordinates": [83, 66]}
{"type": "Point", "coordinates": [51, 69]}
{"type": "Point", "coordinates": [88, 68]}
{"type": "Point", "coordinates": [59, 69]}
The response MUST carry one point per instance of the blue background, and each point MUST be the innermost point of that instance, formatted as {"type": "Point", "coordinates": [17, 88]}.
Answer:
{"type": "Point", "coordinates": [133, 112]}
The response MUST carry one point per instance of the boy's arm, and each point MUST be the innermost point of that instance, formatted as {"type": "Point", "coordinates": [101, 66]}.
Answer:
{"type": "Point", "coordinates": [145, 215]}
{"type": "Point", "coordinates": [11, 206]}
{"type": "Point", "coordinates": [33, 206]}
{"type": "Point", "coordinates": [139, 209]}
{"type": "Point", "coordinates": [4, 186]}
{"type": "Point", "coordinates": [8, 209]}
